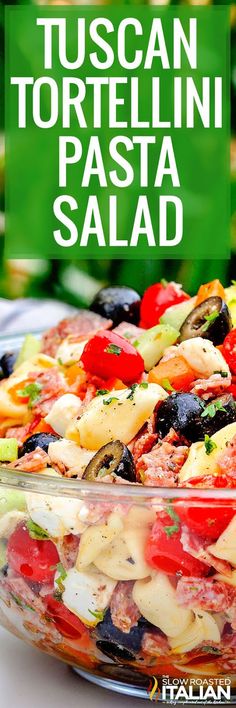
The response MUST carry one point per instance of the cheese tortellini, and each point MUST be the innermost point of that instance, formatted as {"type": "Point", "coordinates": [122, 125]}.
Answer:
{"type": "Point", "coordinates": [225, 546]}
{"type": "Point", "coordinates": [198, 462]}
{"type": "Point", "coordinates": [9, 408]}
{"type": "Point", "coordinates": [156, 600]}
{"type": "Point", "coordinates": [117, 415]}
{"type": "Point", "coordinates": [123, 558]}
{"type": "Point", "coordinates": [204, 628]}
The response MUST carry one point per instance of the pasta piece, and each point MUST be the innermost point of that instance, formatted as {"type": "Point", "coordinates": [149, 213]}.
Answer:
{"type": "Point", "coordinates": [225, 546]}
{"type": "Point", "coordinates": [117, 415]}
{"type": "Point", "coordinates": [87, 594]}
{"type": "Point", "coordinates": [9, 521]}
{"type": "Point", "coordinates": [95, 539]}
{"type": "Point", "coordinates": [58, 516]}
{"type": "Point", "coordinates": [8, 407]}
{"type": "Point", "coordinates": [63, 412]}
{"type": "Point", "coordinates": [202, 356]}
{"type": "Point", "coordinates": [139, 517]}
{"type": "Point", "coordinates": [156, 600]}
{"type": "Point", "coordinates": [70, 351]}
{"type": "Point", "coordinates": [198, 462]}
{"type": "Point", "coordinates": [123, 559]}
{"type": "Point", "coordinates": [204, 628]}
{"type": "Point", "coordinates": [67, 454]}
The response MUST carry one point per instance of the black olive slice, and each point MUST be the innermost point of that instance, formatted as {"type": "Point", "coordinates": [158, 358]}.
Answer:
{"type": "Point", "coordinates": [210, 320]}
{"type": "Point", "coordinates": [42, 440]}
{"type": "Point", "coordinates": [181, 411]}
{"type": "Point", "coordinates": [113, 458]}
{"type": "Point", "coordinates": [218, 413]}
{"type": "Point", "coordinates": [115, 651]}
{"type": "Point", "coordinates": [120, 304]}
{"type": "Point", "coordinates": [7, 362]}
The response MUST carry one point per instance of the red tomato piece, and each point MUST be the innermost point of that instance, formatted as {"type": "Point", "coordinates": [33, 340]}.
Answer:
{"type": "Point", "coordinates": [31, 558]}
{"type": "Point", "coordinates": [164, 550]}
{"type": "Point", "coordinates": [208, 519]}
{"type": "Point", "coordinates": [108, 355]}
{"type": "Point", "coordinates": [65, 621]}
{"type": "Point", "coordinates": [229, 350]}
{"type": "Point", "coordinates": [156, 299]}
{"type": "Point", "coordinates": [212, 481]}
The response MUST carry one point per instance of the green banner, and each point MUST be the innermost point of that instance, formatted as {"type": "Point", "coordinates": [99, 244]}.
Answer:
{"type": "Point", "coordinates": [117, 124]}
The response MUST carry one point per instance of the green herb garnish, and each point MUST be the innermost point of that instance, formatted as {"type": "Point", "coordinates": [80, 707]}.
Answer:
{"type": "Point", "coordinates": [172, 513]}
{"type": "Point", "coordinates": [169, 530]}
{"type": "Point", "coordinates": [209, 320]}
{"type": "Point", "coordinates": [113, 349]}
{"type": "Point", "coordinates": [21, 603]}
{"type": "Point", "coordinates": [102, 391]}
{"type": "Point", "coordinates": [211, 410]}
{"type": "Point", "coordinates": [224, 374]}
{"type": "Point", "coordinates": [143, 384]}
{"type": "Point", "coordinates": [98, 614]}
{"type": "Point", "coordinates": [165, 383]}
{"type": "Point", "coordinates": [132, 391]}
{"type": "Point", "coordinates": [107, 401]}
{"type": "Point", "coordinates": [210, 445]}
{"type": "Point", "coordinates": [61, 577]}
{"type": "Point", "coordinates": [31, 391]}
{"type": "Point", "coordinates": [36, 531]}
{"type": "Point", "coordinates": [164, 282]}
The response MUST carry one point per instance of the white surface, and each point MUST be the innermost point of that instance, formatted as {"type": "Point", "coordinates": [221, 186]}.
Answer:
{"type": "Point", "coordinates": [31, 679]}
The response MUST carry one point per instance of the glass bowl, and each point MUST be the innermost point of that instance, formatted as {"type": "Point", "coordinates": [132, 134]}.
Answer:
{"type": "Point", "coordinates": [90, 590]}
{"type": "Point", "coordinates": [57, 597]}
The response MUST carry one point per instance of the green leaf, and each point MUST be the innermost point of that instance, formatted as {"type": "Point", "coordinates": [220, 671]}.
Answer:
{"type": "Point", "coordinates": [169, 530]}
{"type": "Point", "coordinates": [31, 391]}
{"type": "Point", "coordinates": [99, 614]}
{"type": "Point", "coordinates": [224, 374]}
{"type": "Point", "coordinates": [132, 391]}
{"type": "Point", "coordinates": [211, 409]}
{"type": "Point", "coordinates": [107, 401]}
{"type": "Point", "coordinates": [209, 320]}
{"type": "Point", "coordinates": [113, 349]}
{"type": "Point", "coordinates": [172, 513]}
{"type": "Point", "coordinates": [210, 445]}
{"type": "Point", "coordinates": [165, 383]}
{"type": "Point", "coordinates": [61, 577]}
{"type": "Point", "coordinates": [102, 391]}
{"type": "Point", "coordinates": [36, 531]}
{"type": "Point", "coordinates": [143, 384]}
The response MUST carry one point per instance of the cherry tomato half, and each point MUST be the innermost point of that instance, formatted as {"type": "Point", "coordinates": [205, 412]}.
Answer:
{"type": "Point", "coordinates": [211, 481]}
{"type": "Point", "coordinates": [65, 621]}
{"type": "Point", "coordinates": [229, 350]}
{"type": "Point", "coordinates": [156, 299]}
{"type": "Point", "coordinates": [35, 560]}
{"type": "Point", "coordinates": [107, 355]}
{"type": "Point", "coordinates": [164, 550]}
{"type": "Point", "coordinates": [207, 519]}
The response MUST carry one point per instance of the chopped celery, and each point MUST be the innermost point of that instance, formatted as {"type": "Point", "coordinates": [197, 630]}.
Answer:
{"type": "Point", "coordinates": [11, 500]}
{"type": "Point", "coordinates": [30, 347]}
{"type": "Point", "coordinates": [8, 449]}
{"type": "Point", "coordinates": [152, 344]}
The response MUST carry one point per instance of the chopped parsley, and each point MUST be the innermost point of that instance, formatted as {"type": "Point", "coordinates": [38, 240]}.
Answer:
{"type": "Point", "coordinates": [61, 577]}
{"type": "Point", "coordinates": [21, 603]}
{"type": "Point", "coordinates": [99, 614]}
{"type": "Point", "coordinates": [172, 513]}
{"type": "Point", "coordinates": [36, 531]}
{"type": "Point", "coordinates": [165, 383]}
{"type": "Point", "coordinates": [32, 392]}
{"type": "Point", "coordinates": [113, 349]}
{"type": "Point", "coordinates": [132, 391]}
{"type": "Point", "coordinates": [60, 362]}
{"type": "Point", "coordinates": [224, 374]}
{"type": "Point", "coordinates": [212, 408]}
{"type": "Point", "coordinates": [102, 391]}
{"type": "Point", "coordinates": [209, 320]}
{"type": "Point", "coordinates": [169, 530]}
{"type": "Point", "coordinates": [210, 445]}
{"type": "Point", "coordinates": [107, 401]}
{"type": "Point", "coordinates": [143, 384]}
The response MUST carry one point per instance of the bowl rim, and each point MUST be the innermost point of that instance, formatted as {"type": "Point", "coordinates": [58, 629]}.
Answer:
{"type": "Point", "coordinates": [49, 485]}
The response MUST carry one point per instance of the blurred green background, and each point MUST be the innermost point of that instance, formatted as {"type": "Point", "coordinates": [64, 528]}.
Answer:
{"type": "Point", "coordinates": [76, 282]}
